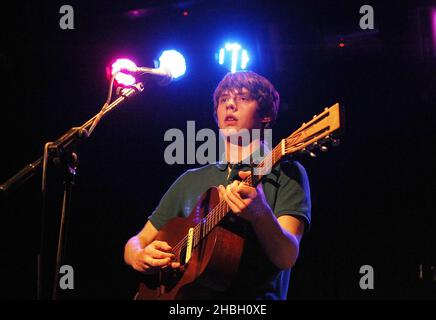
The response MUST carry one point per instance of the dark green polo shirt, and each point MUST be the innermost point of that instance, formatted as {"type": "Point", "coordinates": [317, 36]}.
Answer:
{"type": "Point", "coordinates": [287, 191]}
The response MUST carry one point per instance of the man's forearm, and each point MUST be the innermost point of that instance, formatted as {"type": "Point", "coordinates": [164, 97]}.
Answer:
{"type": "Point", "coordinates": [280, 246]}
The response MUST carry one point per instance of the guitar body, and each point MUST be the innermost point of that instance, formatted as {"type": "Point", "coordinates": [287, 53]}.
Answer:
{"type": "Point", "coordinates": [213, 262]}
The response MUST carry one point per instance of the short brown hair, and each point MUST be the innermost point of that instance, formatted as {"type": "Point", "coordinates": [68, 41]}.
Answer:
{"type": "Point", "coordinates": [259, 88]}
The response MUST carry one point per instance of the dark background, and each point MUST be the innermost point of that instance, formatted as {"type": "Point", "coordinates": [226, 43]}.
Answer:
{"type": "Point", "coordinates": [372, 197]}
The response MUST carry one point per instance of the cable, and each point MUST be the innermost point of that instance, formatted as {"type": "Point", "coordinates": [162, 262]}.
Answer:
{"type": "Point", "coordinates": [105, 105]}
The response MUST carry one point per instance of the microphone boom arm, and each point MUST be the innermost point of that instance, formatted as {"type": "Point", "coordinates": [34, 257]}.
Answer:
{"type": "Point", "coordinates": [66, 141]}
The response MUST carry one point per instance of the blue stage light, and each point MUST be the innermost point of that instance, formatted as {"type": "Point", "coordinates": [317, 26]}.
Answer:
{"type": "Point", "coordinates": [233, 56]}
{"type": "Point", "coordinates": [244, 59]}
{"type": "Point", "coordinates": [221, 56]}
{"type": "Point", "coordinates": [173, 61]}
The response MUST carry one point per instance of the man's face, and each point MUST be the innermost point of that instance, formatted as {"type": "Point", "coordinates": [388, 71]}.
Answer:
{"type": "Point", "coordinates": [237, 110]}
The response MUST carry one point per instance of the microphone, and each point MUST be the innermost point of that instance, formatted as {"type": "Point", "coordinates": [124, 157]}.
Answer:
{"type": "Point", "coordinates": [164, 75]}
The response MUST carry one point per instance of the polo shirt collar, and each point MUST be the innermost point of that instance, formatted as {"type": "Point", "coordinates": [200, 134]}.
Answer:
{"type": "Point", "coordinates": [223, 164]}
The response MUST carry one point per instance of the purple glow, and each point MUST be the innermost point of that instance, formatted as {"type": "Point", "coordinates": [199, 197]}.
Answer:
{"type": "Point", "coordinates": [137, 13]}
{"type": "Point", "coordinates": [123, 79]}
{"type": "Point", "coordinates": [433, 26]}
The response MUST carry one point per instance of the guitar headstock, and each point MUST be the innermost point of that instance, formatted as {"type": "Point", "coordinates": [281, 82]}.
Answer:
{"type": "Point", "coordinates": [315, 133]}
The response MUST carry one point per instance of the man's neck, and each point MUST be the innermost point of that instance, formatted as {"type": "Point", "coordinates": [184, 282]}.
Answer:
{"type": "Point", "coordinates": [239, 152]}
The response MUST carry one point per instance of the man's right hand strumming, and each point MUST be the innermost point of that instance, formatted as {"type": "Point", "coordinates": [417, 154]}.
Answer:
{"type": "Point", "coordinates": [154, 256]}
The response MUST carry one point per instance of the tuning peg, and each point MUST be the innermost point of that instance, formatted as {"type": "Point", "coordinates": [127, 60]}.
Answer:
{"type": "Point", "coordinates": [335, 142]}
{"type": "Point", "coordinates": [310, 153]}
{"type": "Point", "coordinates": [319, 145]}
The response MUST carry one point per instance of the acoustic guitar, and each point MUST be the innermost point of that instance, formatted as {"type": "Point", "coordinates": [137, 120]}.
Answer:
{"type": "Point", "coordinates": [208, 250]}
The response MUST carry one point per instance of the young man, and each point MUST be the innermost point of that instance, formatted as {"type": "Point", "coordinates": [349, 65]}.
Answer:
{"type": "Point", "coordinates": [277, 210]}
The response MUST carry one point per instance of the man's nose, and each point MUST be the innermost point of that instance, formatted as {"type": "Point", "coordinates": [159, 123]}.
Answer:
{"type": "Point", "coordinates": [231, 104]}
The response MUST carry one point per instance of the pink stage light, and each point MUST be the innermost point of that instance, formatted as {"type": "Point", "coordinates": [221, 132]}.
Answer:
{"type": "Point", "coordinates": [123, 79]}
{"type": "Point", "coordinates": [433, 25]}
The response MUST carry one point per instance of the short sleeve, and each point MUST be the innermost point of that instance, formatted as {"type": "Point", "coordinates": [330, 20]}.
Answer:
{"type": "Point", "coordinates": [170, 205]}
{"type": "Point", "coordinates": [293, 195]}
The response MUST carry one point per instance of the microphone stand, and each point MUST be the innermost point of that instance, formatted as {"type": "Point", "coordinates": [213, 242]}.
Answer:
{"type": "Point", "coordinates": [60, 151]}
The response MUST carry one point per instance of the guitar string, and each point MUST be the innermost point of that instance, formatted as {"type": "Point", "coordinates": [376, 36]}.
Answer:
{"type": "Point", "coordinates": [217, 211]}
{"type": "Point", "coordinates": [214, 215]}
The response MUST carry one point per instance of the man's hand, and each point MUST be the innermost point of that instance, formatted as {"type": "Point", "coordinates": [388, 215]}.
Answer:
{"type": "Point", "coordinates": [154, 256]}
{"type": "Point", "coordinates": [244, 200]}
